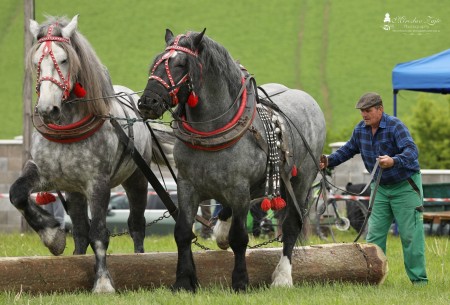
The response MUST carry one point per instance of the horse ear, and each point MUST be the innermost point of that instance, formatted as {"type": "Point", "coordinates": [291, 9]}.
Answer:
{"type": "Point", "coordinates": [198, 40]}
{"type": "Point", "coordinates": [68, 30]}
{"type": "Point", "coordinates": [169, 36]}
{"type": "Point", "coordinates": [34, 28]}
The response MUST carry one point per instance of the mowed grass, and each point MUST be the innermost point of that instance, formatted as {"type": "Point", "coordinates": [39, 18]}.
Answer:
{"type": "Point", "coordinates": [334, 50]}
{"type": "Point", "coordinates": [395, 290]}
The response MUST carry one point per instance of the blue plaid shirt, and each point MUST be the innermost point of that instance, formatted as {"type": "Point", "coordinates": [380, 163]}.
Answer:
{"type": "Point", "coordinates": [392, 138]}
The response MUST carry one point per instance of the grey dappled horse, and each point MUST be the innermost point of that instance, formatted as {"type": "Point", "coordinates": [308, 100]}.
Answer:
{"type": "Point", "coordinates": [219, 153]}
{"type": "Point", "coordinates": [76, 149]}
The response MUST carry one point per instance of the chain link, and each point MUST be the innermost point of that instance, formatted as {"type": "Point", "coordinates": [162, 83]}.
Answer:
{"type": "Point", "coordinates": [195, 240]}
{"type": "Point", "coordinates": [165, 215]}
{"type": "Point", "coordinates": [278, 239]}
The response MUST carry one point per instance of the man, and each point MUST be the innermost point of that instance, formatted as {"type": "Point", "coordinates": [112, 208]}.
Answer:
{"type": "Point", "coordinates": [399, 195]}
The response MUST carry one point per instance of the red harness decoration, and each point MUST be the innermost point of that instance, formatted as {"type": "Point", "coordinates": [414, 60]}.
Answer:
{"type": "Point", "coordinates": [174, 88]}
{"type": "Point", "coordinates": [225, 136]}
{"type": "Point", "coordinates": [228, 126]}
{"type": "Point", "coordinates": [64, 83]}
{"type": "Point", "coordinates": [74, 132]}
{"type": "Point", "coordinates": [202, 140]}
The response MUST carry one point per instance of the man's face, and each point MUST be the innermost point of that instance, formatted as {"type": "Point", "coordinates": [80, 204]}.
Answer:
{"type": "Point", "coordinates": [372, 116]}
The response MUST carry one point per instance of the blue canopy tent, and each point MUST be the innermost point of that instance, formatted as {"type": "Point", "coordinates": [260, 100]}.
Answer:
{"type": "Point", "coordinates": [429, 74]}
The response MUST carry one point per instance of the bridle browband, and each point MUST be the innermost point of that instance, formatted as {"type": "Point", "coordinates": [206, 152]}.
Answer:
{"type": "Point", "coordinates": [64, 83]}
{"type": "Point", "coordinates": [170, 51]}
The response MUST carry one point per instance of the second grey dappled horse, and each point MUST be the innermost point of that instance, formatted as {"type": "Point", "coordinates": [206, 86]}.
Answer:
{"type": "Point", "coordinates": [222, 151]}
{"type": "Point", "coordinates": [77, 149]}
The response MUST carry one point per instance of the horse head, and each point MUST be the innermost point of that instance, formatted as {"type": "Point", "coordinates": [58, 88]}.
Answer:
{"type": "Point", "coordinates": [174, 75]}
{"type": "Point", "coordinates": [63, 60]}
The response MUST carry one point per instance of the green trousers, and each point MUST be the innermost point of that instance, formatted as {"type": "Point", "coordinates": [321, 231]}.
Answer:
{"type": "Point", "coordinates": [400, 201]}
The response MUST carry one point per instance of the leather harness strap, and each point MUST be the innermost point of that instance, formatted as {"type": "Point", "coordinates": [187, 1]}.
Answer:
{"type": "Point", "coordinates": [148, 173]}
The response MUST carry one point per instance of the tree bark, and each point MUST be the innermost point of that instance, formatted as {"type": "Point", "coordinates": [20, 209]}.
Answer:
{"type": "Point", "coordinates": [352, 262]}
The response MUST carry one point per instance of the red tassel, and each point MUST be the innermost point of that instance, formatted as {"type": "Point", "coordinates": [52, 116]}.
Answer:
{"type": "Point", "coordinates": [265, 205]}
{"type": "Point", "coordinates": [192, 99]}
{"type": "Point", "coordinates": [294, 171]}
{"type": "Point", "coordinates": [78, 90]}
{"type": "Point", "coordinates": [277, 203]}
{"type": "Point", "coordinates": [44, 198]}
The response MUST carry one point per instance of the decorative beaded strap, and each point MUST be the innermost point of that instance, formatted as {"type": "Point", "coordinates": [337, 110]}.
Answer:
{"type": "Point", "coordinates": [273, 140]}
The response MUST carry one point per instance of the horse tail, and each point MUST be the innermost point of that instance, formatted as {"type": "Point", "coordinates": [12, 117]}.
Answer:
{"type": "Point", "coordinates": [163, 141]}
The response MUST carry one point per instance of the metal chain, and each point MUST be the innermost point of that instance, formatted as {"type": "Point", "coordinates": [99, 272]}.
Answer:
{"type": "Point", "coordinates": [195, 240]}
{"type": "Point", "coordinates": [278, 239]}
{"type": "Point", "coordinates": [165, 215]}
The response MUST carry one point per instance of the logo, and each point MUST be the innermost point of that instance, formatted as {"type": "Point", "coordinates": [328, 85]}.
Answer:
{"type": "Point", "coordinates": [411, 25]}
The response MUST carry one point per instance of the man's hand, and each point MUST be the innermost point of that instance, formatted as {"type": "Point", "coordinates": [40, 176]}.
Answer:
{"type": "Point", "coordinates": [323, 162]}
{"type": "Point", "coordinates": [386, 161]}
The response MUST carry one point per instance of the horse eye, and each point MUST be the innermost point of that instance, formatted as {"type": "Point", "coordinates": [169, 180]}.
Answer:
{"type": "Point", "coordinates": [64, 61]}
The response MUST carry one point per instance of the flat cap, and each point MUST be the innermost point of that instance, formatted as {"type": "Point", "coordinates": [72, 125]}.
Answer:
{"type": "Point", "coordinates": [368, 100]}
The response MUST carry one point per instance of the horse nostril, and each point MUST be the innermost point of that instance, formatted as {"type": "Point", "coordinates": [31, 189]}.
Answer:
{"type": "Point", "coordinates": [144, 101]}
{"type": "Point", "coordinates": [55, 112]}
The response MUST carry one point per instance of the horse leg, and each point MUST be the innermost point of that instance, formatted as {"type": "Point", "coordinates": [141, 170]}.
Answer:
{"type": "Point", "coordinates": [291, 227]}
{"type": "Point", "coordinates": [48, 228]}
{"type": "Point", "coordinates": [99, 237]}
{"type": "Point", "coordinates": [238, 242]}
{"type": "Point", "coordinates": [222, 228]}
{"type": "Point", "coordinates": [77, 210]}
{"type": "Point", "coordinates": [137, 187]}
{"type": "Point", "coordinates": [186, 276]}
{"type": "Point", "coordinates": [282, 275]}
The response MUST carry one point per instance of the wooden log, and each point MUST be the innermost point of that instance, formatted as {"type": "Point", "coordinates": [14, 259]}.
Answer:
{"type": "Point", "coordinates": [351, 262]}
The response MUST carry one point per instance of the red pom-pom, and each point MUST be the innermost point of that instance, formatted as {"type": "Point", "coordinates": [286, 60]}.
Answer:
{"type": "Point", "coordinates": [192, 99]}
{"type": "Point", "coordinates": [265, 205]}
{"type": "Point", "coordinates": [44, 198]}
{"type": "Point", "coordinates": [277, 203]}
{"type": "Point", "coordinates": [294, 171]}
{"type": "Point", "coordinates": [78, 90]}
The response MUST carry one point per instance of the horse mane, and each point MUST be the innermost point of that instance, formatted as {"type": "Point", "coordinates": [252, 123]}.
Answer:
{"type": "Point", "coordinates": [84, 67]}
{"type": "Point", "coordinates": [215, 62]}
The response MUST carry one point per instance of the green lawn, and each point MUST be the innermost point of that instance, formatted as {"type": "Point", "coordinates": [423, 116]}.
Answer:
{"type": "Point", "coordinates": [335, 50]}
{"type": "Point", "coordinates": [395, 290]}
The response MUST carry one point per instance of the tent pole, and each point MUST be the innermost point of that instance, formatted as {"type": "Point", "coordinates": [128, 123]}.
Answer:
{"type": "Point", "coordinates": [395, 102]}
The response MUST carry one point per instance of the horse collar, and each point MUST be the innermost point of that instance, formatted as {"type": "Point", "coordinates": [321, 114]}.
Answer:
{"type": "Point", "coordinates": [227, 135]}
{"type": "Point", "coordinates": [71, 133]}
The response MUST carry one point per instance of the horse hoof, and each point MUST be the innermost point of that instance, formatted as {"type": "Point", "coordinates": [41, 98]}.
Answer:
{"type": "Point", "coordinates": [282, 276]}
{"type": "Point", "coordinates": [54, 239]}
{"type": "Point", "coordinates": [240, 288]}
{"type": "Point", "coordinates": [220, 232]}
{"type": "Point", "coordinates": [183, 286]}
{"type": "Point", "coordinates": [103, 285]}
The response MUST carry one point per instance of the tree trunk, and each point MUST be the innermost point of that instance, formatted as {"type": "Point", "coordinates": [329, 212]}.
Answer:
{"type": "Point", "coordinates": [352, 262]}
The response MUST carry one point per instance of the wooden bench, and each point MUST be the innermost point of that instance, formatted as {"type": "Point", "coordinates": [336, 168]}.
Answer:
{"type": "Point", "coordinates": [441, 218]}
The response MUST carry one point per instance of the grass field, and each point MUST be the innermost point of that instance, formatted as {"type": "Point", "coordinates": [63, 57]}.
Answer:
{"type": "Point", "coordinates": [334, 50]}
{"type": "Point", "coordinates": [395, 290]}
